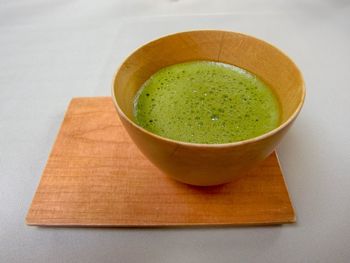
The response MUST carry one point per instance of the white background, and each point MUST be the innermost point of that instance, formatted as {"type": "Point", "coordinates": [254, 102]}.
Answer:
{"type": "Point", "coordinates": [51, 51]}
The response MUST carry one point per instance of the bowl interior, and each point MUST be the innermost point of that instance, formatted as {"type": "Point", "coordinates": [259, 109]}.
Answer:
{"type": "Point", "coordinates": [254, 55]}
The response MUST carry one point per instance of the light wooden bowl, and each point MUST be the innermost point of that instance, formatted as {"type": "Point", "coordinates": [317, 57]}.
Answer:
{"type": "Point", "coordinates": [208, 164]}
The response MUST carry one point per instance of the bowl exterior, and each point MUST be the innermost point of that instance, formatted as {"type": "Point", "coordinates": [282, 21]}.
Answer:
{"type": "Point", "coordinates": [208, 164]}
{"type": "Point", "coordinates": [203, 165]}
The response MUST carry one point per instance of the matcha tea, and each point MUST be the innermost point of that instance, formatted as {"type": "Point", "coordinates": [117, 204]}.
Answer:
{"type": "Point", "coordinates": [206, 102]}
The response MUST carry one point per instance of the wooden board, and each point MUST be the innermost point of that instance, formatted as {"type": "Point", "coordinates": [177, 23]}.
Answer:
{"type": "Point", "coordinates": [95, 176]}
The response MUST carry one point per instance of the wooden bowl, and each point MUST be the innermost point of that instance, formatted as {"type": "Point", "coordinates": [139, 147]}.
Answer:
{"type": "Point", "coordinates": [208, 164]}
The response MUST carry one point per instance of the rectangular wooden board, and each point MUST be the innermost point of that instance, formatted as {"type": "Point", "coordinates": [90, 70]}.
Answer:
{"type": "Point", "coordinates": [95, 176]}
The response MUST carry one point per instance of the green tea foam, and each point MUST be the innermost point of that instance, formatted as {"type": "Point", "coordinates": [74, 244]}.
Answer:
{"type": "Point", "coordinates": [206, 102]}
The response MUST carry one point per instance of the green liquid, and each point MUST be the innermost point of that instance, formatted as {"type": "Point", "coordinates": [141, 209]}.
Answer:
{"type": "Point", "coordinates": [206, 102]}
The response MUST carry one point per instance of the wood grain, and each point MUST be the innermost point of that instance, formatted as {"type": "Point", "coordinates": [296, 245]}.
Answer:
{"type": "Point", "coordinates": [95, 176]}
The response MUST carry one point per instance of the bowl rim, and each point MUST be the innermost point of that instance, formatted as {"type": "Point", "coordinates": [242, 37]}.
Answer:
{"type": "Point", "coordinates": [217, 145]}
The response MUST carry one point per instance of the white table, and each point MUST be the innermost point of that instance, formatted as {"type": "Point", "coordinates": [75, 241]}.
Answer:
{"type": "Point", "coordinates": [51, 51]}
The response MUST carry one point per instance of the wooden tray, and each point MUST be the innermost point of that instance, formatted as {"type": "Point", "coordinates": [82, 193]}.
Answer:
{"type": "Point", "coordinates": [95, 176]}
